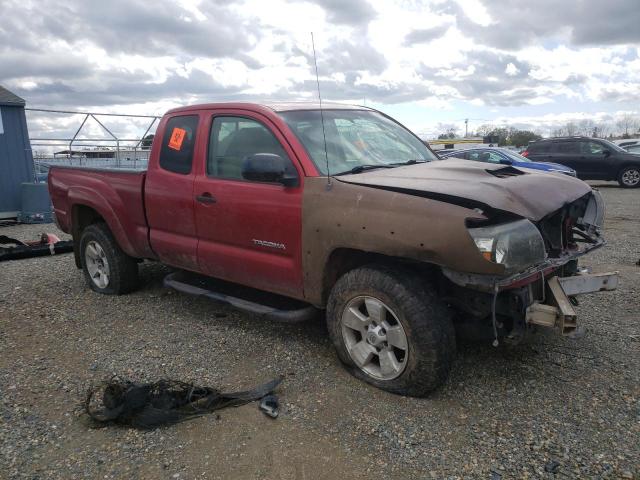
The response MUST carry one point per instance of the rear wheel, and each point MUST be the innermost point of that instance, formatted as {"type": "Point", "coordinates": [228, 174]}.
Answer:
{"type": "Point", "coordinates": [629, 177]}
{"type": "Point", "coordinates": [391, 330]}
{"type": "Point", "coordinates": [107, 269]}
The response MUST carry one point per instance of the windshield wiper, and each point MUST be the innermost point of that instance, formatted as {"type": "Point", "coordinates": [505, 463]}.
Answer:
{"type": "Point", "coordinates": [362, 168]}
{"type": "Point", "coordinates": [408, 162]}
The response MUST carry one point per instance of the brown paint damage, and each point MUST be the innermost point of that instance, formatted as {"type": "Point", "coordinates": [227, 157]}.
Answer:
{"type": "Point", "coordinates": [383, 222]}
{"type": "Point", "coordinates": [418, 213]}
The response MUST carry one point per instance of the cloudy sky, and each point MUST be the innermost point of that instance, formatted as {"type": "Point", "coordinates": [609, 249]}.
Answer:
{"type": "Point", "coordinates": [532, 63]}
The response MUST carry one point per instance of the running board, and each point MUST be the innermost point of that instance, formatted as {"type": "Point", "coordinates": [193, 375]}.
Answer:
{"type": "Point", "coordinates": [266, 305]}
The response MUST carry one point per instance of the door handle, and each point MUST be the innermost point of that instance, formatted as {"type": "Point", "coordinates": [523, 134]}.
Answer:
{"type": "Point", "coordinates": [206, 198]}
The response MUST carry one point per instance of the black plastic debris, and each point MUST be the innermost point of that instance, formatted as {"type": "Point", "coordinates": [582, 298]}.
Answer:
{"type": "Point", "coordinates": [269, 406]}
{"type": "Point", "coordinates": [165, 402]}
{"type": "Point", "coordinates": [47, 244]}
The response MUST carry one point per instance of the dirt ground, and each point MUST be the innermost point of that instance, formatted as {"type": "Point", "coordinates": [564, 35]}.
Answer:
{"type": "Point", "coordinates": [550, 408]}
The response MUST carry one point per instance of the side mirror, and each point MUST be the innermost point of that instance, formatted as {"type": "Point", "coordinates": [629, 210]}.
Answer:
{"type": "Point", "coordinates": [504, 161]}
{"type": "Point", "coordinates": [606, 152]}
{"type": "Point", "coordinates": [267, 167]}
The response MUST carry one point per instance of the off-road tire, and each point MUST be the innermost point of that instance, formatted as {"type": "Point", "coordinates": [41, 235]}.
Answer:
{"type": "Point", "coordinates": [626, 170]}
{"type": "Point", "coordinates": [425, 318]}
{"type": "Point", "coordinates": [123, 269]}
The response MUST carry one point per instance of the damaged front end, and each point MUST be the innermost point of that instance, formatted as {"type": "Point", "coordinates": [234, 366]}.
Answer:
{"type": "Point", "coordinates": [541, 277]}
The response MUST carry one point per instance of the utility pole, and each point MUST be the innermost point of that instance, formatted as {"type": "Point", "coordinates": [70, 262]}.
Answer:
{"type": "Point", "coordinates": [466, 127]}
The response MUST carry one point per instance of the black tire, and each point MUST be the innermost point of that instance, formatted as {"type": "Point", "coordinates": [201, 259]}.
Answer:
{"type": "Point", "coordinates": [123, 270]}
{"type": "Point", "coordinates": [426, 321]}
{"type": "Point", "coordinates": [634, 171]}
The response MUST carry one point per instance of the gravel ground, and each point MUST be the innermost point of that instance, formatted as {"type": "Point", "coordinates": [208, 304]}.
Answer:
{"type": "Point", "coordinates": [551, 408]}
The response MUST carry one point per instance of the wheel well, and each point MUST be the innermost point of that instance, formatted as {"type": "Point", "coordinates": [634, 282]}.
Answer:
{"type": "Point", "coordinates": [627, 165]}
{"type": "Point", "coordinates": [343, 260]}
{"type": "Point", "coordinates": [82, 216]}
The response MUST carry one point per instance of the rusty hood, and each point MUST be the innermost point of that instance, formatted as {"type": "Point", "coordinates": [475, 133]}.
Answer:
{"type": "Point", "coordinates": [525, 192]}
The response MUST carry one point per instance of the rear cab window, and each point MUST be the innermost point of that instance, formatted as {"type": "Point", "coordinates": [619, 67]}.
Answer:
{"type": "Point", "coordinates": [178, 143]}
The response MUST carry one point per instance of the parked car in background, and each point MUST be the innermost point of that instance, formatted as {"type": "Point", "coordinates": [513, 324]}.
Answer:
{"type": "Point", "coordinates": [591, 158]}
{"type": "Point", "coordinates": [627, 142]}
{"type": "Point", "coordinates": [505, 157]}
{"type": "Point", "coordinates": [635, 149]}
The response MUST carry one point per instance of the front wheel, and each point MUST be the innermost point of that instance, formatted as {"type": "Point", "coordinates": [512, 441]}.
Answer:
{"type": "Point", "coordinates": [107, 269]}
{"type": "Point", "coordinates": [629, 177]}
{"type": "Point", "coordinates": [391, 330]}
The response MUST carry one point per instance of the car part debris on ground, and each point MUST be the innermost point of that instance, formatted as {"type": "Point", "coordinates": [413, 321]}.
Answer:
{"type": "Point", "coordinates": [47, 244]}
{"type": "Point", "coordinates": [269, 405]}
{"type": "Point", "coordinates": [165, 402]}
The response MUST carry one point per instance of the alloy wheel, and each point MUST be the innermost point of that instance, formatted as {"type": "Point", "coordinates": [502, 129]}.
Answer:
{"type": "Point", "coordinates": [374, 338]}
{"type": "Point", "coordinates": [631, 177]}
{"type": "Point", "coordinates": [97, 264]}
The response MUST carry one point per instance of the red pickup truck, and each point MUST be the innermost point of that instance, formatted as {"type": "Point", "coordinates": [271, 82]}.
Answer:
{"type": "Point", "coordinates": [286, 210]}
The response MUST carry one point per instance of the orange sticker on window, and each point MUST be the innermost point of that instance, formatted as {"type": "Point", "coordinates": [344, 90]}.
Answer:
{"type": "Point", "coordinates": [177, 137]}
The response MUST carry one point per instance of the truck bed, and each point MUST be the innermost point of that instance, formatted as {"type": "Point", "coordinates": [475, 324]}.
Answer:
{"type": "Point", "coordinates": [117, 195]}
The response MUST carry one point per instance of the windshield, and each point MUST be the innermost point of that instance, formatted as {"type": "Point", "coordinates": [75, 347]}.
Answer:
{"type": "Point", "coordinates": [516, 157]}
{"type": "Point", "coordinates": [354, 138]}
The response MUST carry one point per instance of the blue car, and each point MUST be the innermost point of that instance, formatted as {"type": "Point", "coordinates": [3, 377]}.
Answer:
{"type": "Point", "coordinates": [506, 157]}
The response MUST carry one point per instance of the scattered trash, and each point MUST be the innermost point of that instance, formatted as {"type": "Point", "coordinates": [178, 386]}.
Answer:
{"type": "Point", "coordinates": [269, 406]}
{"type": "Point", "coordinates": [48, 244]}
{"type": "Point", "coordinates": [165, 402]}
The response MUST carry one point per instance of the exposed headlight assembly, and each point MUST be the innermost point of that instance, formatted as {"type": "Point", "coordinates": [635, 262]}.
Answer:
{"type": "Point", "coordinates": [593, 217]}
{"type": "Point", "coordinates": [516, 245]}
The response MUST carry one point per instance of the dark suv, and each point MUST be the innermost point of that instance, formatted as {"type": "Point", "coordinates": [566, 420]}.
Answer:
{"type": "Point", "coordinates": [591, 158]}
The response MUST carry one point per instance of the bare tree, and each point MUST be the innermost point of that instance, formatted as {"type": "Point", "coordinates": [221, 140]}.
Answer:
{"type": "Point", "coordinates": [602, 129]}
{"type": "Point", "coordinates": [628, 123]}
{"type": "Point", "coordinates": [484, 130]}
{"type": "Point", "coordinates": [586, 127]}
{"type": "Point", "coordinates": [571, 128]}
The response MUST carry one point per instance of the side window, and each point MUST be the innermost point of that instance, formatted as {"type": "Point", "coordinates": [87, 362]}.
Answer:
{"type": "Point", "coordinates": [568, 147]}
{"type": "Point", "coordinates": [494, 157]}
{"type": "Point", "coordinates": [233, 139]}
{"type": "Point", "coordinates": [176, 154]}
{"type": "Point", "coordinates": [592, 148]}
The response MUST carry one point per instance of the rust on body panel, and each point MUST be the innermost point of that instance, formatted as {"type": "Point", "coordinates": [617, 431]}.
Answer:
{"type": "Point", "coordinates": [384, 222]}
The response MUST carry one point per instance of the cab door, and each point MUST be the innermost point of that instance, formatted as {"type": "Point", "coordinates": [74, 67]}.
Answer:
{"type": "Point", "coordinates": [168, 193]}
{"type": "Point", "coordinates": [249, 231]}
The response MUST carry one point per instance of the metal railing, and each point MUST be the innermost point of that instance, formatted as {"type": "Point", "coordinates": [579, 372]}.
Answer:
{"type": "Point", "coordinates": [110, 152]}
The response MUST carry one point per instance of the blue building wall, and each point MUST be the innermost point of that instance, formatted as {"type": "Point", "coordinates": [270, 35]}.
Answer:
{"type": "Point", "coordinates": [16, 160]}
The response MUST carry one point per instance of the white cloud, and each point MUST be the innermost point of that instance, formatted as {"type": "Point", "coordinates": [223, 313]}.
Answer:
{"type": "Point", "coordinates": [441, 57]}
{"type": "Point", "coordinates": [511, 69]}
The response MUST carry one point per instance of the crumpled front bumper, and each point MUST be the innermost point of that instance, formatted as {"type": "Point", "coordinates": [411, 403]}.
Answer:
{"type": "Point", "coordinates": [547, 296]}
{"type": "Point", "coordinates": [556, 309]}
